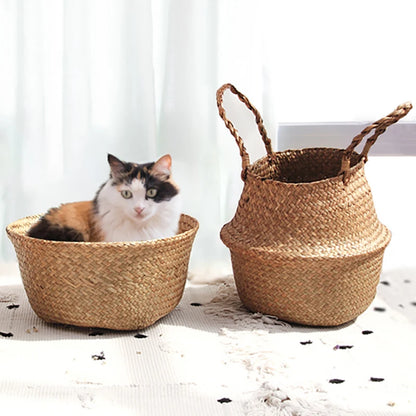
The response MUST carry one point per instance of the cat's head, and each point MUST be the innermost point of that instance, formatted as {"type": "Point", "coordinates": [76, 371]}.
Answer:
{"type": "Point", "coordinates": [139, 191]}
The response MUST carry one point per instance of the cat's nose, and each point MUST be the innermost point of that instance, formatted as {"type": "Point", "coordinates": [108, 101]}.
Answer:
{"type": "Point", "coordinates": [139, 210]}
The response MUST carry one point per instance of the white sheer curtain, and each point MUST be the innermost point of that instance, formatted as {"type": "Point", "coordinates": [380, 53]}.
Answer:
{"type": "Point", "coordinates": [137, 78]}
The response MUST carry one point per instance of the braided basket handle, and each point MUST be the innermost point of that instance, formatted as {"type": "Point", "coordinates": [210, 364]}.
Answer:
{"type": "Point", "coordinates": [240, 143]}
{"type": "Point", "coordinates": [379, 127]}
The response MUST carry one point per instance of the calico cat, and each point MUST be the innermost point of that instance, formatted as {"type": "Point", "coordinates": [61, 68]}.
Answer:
{"type": "Point", "coordinates": [138, 202]}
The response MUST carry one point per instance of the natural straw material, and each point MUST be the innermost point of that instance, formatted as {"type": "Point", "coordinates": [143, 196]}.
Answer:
{"type": "Point", "coordinates": [306, 244]}
{"type": "Point", "coordinates": [123, 285]}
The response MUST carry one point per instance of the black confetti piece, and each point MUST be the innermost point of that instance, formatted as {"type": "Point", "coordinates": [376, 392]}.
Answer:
{"type": "Point", "coordinates": [336, 381]}
{"type": "Point", "coordinates": [378, 309]}
{"type": "Point", "coordinates": [224, 400]}
{"type": "Point", "coordinates": [140, 336]}
{"type": "Point", "coordinates": [343, 347]}
{"type": "Point", "coordinates": [6, 334]}
{"type": "Point", "coordinates": [196, 304]}
{"type": "Point", "coordinates": [385, 283]}
{"type": "Point", "coordinates": [95, 333]}
{"type": "Point", "coordinates": [376, 379]}
{"type": "Point", "coordinates": [413, 303]}
{"type": "Point", "coordinates": [13, 306]}
{"type": "Point", "coordinates": [306, 342]}
{"type": "Point", "coordinates": [98, 357]}
{"type": "Point", "coordinates": [367, 332]}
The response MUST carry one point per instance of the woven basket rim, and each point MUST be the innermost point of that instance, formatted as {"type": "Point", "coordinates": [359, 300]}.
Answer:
{"type": "Point", "coordinates": [259, 252]}
{"type": "Point", "coordinates": [338, 177]}
{"type": "Point", "coordinates": [264, 252]}
{"type": "Point", "coordinates": [11, 231]}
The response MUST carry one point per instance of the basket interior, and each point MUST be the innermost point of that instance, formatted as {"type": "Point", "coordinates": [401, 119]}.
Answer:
{"type": "Point", "coordinates": [302, 166]}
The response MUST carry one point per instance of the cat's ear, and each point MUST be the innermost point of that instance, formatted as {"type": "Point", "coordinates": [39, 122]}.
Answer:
{"type": "Point", "coordinates": [118, 168]}
{"type": "Point", "coordinates": [162, 167]}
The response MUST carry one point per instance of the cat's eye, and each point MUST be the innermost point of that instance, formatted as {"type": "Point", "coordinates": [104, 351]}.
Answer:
{"type": "Point", "coordinates": [151, 192]}
{"type": "Point", "coordinates": [126, 194]}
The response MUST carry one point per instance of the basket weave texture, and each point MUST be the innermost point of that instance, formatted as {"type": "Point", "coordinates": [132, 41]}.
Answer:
{"type": "Point", "coordinates": [306, 244]}
{"type": "Point", "coordinates": [122, 285]}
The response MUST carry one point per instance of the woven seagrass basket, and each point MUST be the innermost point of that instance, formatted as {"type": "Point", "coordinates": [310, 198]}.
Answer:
{"type": "Point", "coordinates": [122, 286]}
{"type": "Point", "coordinates": [306, 244]}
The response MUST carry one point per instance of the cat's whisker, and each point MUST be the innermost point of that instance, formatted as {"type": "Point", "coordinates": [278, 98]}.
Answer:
{"type": "Point", "coordinates": [105, 213]}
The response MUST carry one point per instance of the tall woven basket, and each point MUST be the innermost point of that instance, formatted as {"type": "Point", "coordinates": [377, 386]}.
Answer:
{"type": "Point", "coordinates": [122, 286]}
{"type": "Point", "coordinates": [306, 244]}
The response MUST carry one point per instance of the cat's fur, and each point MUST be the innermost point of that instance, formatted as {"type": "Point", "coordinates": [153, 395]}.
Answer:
{"type": "Point", "coordinates": [148, 210]}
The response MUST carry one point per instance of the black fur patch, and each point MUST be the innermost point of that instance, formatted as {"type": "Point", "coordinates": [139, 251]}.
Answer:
{"type": "Point", "coordinates": [165, 190]}
{"type": "Point", "coordinates": [47, 231]}
{"type": "Point", "coordinates": [135, 171]}
{"type": "Point", "coordinates": [131, 171]}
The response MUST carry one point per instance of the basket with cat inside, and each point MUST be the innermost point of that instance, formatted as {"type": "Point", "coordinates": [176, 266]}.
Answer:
{"type": "Point", "coordinates": [119, 261]}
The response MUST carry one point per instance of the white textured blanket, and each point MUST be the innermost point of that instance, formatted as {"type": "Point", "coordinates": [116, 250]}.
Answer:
{"type": "Point", "coordinates": [211, 357]}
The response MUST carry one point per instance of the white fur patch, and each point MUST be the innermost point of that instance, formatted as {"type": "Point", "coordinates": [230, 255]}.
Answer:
{"type": "Point", "coordinates": [119, 220]}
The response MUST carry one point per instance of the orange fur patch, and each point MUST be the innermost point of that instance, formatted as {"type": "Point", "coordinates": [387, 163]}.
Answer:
{"type": "Point", "coordinates": [76, 215]}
